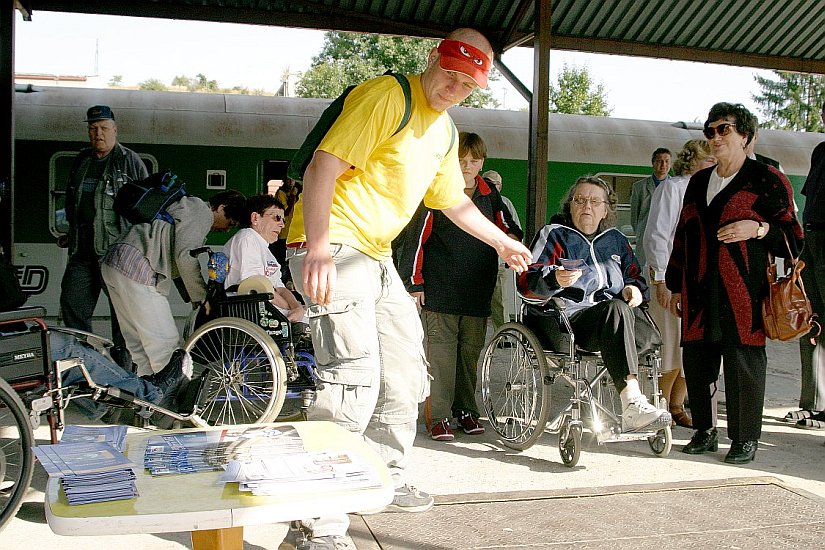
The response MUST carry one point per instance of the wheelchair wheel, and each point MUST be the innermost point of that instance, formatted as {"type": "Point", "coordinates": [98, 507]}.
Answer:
{"type": "Point", "coordinates": [661, 443]}
{"type": "Point", "coordinates": [515, 386]}
{"type": "Point", "coordinates": [247, 382]}
{"type": "Point", "coordinates": [570, 443]}
{"type": "Point", "coordinates": [16, 456]}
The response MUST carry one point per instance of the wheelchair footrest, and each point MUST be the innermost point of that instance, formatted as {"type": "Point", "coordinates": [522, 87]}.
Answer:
{"type": "Point", "coordinates": [194, 396]}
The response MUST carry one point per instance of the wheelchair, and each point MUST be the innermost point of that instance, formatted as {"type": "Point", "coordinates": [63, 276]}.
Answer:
{"type": "Point", "coordinates": [251, 363]}
{"type": "Point", "coordinates": [528, 388]}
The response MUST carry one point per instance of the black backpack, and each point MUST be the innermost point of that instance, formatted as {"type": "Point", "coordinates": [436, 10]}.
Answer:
{"type": "Point", "coordinates": [302, 157]}
{"type": "Point", "coordinates": [11, 295]}
{"type": "Point", "coordinates": [146, 200]}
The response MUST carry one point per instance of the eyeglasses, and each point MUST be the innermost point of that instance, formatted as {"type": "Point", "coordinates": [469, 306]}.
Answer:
{"type": "Point", "coordinates": [594, 201]}
{"type": "Point", "coordinates": [722, 129]}
{"type": "Point", "coordinates": [276, 217]}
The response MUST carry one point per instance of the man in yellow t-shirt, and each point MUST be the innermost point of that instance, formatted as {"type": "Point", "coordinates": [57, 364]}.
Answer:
{"type": "Point", "coordinates": [361, 188]}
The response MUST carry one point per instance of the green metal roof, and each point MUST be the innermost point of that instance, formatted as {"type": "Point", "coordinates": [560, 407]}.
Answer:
{"type": "Point", "coordinates": [775, 34]}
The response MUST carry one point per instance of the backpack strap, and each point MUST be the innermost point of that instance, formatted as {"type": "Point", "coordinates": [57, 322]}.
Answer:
{"type": "Point", "coordinates": [453, 134]}
{"type": "Point", "coordinates": [405, 87]}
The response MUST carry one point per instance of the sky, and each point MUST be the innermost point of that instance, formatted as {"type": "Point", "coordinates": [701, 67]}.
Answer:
{"type": "Point", "coordinates": [256, 57]}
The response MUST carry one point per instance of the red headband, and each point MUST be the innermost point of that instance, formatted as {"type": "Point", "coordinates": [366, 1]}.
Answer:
{"type": "Point", "coordinates": [465, 59]}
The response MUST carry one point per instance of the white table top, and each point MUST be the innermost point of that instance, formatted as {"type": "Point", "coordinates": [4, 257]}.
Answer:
{"type": "Point", "coordinates": [191, 502]}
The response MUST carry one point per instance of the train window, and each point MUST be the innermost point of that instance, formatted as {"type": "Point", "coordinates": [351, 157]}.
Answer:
{"type": "Point", "coordinates": [60, 165]}
{"type": "Point", "coordinates": [216, 179]}
{"type": "Point", "coordinates": [623, 184]}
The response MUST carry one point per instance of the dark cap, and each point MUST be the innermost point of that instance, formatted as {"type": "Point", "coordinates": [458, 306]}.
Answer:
{"type": "Point", "coordinates": [99, 112]}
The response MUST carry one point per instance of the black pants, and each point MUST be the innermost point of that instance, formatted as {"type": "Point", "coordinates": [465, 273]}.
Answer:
{"type": "Point", "coordinates": [745, 368]}
{"type": "Point", "coordinates": [812, 394]}
{"type": "Point", "coordinates": [79, 291]}
{"type": "Point", "coordinates": [620, 332]}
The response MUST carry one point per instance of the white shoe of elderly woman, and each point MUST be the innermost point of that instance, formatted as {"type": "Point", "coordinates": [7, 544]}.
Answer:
{"type": "Point", "coordinates": [640, 415]}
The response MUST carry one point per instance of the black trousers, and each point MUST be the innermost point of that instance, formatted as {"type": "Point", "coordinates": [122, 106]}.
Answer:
{"type": "Point", "coordinates": [745, 368]}
{"type": "Point", "coordinates": [812, 394]}
{"type": "Point", "coordinates": [79, 291]}
{"type": "Point", "coordinates": [620, 332]}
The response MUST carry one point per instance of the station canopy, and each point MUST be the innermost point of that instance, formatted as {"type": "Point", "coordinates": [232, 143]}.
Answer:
{"type": "Point", "coordinates": [771, 34]}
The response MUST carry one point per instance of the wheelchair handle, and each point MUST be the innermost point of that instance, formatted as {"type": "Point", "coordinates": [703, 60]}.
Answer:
{"type": "Point", "coordinates": [195, 252]}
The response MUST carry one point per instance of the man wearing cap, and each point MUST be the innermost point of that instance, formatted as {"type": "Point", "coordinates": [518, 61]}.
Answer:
{"type": "Point", "coordinates": [97, 175]}
{"type": "Point", "coordinates": [361, 188]}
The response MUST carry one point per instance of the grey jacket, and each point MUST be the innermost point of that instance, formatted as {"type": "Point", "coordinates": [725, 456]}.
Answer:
{"type": "Point", "coordinates": [124, 165]}
{"type": "Point", "coordinates": [167, 246]}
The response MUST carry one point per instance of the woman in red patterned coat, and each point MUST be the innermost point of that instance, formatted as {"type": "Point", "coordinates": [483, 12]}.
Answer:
{"type": "Point", "coordinates": [733, 215]}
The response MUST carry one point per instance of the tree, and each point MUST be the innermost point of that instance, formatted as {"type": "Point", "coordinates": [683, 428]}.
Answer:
{"type": "Point", "coordinates": [575, 94]}
{"type": "Point", "coordinates": [152, 84]}
{"type": "Point", "coordinates": [115, 81]}
{"type": "Point", "coordinates": [793, 102]}
{"type": "Point", "coordinates": [351, 58]}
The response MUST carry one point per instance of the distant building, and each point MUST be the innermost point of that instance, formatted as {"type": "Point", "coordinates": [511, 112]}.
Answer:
{"type": "Point", "coordinates": [289, 81]}
{"type": "Point", "coordinates": [66, 81]}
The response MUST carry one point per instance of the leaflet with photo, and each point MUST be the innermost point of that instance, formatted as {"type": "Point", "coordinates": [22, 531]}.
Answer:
{"type": "Point", "coordinates": [208, 450]}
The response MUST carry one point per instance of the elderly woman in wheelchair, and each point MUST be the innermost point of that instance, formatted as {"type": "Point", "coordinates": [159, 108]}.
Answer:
{"type": "Point", "coordinates": [580, 299]}
{"type": "Point", "coordinates": [582, 259]}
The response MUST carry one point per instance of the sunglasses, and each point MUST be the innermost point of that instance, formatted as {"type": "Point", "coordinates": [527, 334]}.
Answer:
{"type": "Point", "coordinates": [594, 201]}
{"type": "Point", "coordinates": [276, 217]}
{"type": "Point", "coordinates": [722, 129]}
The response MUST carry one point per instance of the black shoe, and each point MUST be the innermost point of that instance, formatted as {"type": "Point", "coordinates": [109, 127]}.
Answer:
{"type": "Point", "coordinates": [173, 375]}
{"type": "Point", "coordinates": [702, 442]}
{"type": "Point", "coordinates": [742, 452]}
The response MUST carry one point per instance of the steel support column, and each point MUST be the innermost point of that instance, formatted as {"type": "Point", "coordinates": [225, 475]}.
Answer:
{"type": "Point", "coordinates": [539, 121]}
{"type": "Point", "coordinates": [7, 15]}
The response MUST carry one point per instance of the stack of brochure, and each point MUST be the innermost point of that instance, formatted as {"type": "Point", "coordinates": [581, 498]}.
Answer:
{"type": "Point", "coordinates": [89, 472]}
{"type": "Point", "coordinates": [296, 472]}
{"type": "Point", "coordinates": [207, 450]}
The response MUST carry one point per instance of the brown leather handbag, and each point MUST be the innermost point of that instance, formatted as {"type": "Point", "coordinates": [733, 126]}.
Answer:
{"type": "Point", "coordinates": [786, 311]}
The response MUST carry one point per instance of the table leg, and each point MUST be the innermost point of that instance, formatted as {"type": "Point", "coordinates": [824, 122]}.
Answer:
{"type": "Point", "coordinates": [230, 538]}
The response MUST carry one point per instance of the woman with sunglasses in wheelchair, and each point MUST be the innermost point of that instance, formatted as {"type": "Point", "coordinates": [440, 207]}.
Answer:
{"type": "Point", "coordinates": [732, 216]}
{"type": "Point", "coordinates": [581, 258]}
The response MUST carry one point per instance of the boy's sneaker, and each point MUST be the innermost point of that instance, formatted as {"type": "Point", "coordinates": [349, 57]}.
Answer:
{"type": "Point", "coordinates": [409, 499]}
{"type": "Point", "coordinates": [469, 423]}
{"type": "Point", "coordinates": [641, 415]}
{"type": "Point", "coordinates": [329, 542]}
{"type": "Point", "coordinates": [441, 431]}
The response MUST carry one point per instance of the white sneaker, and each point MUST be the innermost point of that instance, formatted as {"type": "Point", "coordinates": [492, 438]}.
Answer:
{"type": "Point", "coordinates": [641, 415]}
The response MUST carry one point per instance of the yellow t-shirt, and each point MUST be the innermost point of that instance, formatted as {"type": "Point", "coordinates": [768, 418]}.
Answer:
{"type": "Point", "coordinates": [389, 175]}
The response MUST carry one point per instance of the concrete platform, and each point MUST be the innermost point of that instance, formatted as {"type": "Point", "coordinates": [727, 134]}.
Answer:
{"type": "Point", "coordinates": [732, 513]}
{"type": "Point", "coordinates": [619, 495]}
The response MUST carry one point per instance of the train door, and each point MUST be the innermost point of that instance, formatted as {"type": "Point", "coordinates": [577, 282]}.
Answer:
{"type": "Point", "coordinates": [41, 262]}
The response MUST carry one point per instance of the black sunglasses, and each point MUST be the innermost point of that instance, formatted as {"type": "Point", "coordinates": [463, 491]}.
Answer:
{"type": "Point", "coordinates": [722, 129]}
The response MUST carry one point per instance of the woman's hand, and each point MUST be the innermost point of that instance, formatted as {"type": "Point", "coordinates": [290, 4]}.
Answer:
{"type": "Point", "coordinates": [676, 304]}
{"type": "Point", "coordinates": [566, 277]}
{"type": "Point", "coordinates": [739, 231]}
{"type": "Point", "coordinates": [632, 295]}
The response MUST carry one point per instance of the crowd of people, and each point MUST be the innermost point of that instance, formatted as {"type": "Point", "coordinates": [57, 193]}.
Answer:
{"type": "Point", "coordinates": [396, 251]}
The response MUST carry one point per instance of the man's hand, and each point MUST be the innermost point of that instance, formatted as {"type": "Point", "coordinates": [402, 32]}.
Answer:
{"type": "Point", "coordinates": [296, 314]}
{"type": "Point", "coordinates": [662, 295]}
{"type": "Point", "coordinates": [319, 275]}
{"type": "Point", "coordinates": [632, 295]}
{"type": "Point", "coordinates": [418, 297]}
{"type": "Point", "coordinates": [515, 254]}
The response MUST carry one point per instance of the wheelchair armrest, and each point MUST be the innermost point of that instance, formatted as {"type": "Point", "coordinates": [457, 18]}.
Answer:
{"type": "Point", "coordinates": [558, 303]}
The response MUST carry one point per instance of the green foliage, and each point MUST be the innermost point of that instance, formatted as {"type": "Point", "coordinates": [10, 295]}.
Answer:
{"type": "Point", "coordinates": [792, 102]}
{"type": "Point", "coordinates": [116, 80]}
{"type": "Point", "coordinates": [351, 58]}
{"type": "Point", "coordinates": [152, 84]}
{"type": "Point", "coordinates": [576, 94]}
